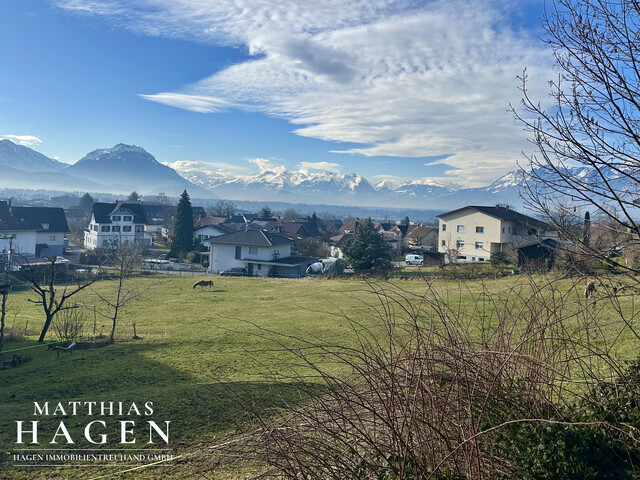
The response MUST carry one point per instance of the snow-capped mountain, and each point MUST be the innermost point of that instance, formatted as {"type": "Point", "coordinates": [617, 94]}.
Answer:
{"type": "Point", "coordinates": [26, 159]}
{"type": "Point", "coordinates": [128, 167]}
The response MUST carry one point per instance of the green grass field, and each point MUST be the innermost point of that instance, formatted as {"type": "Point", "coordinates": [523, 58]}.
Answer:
{"type": "Point", "coordinates": [202, 354]}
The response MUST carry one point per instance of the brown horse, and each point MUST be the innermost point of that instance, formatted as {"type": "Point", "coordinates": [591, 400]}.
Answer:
{"type": "Point", "coordinates": [203, 283]}
{"type": "Point", "coordinates": [589, 289]}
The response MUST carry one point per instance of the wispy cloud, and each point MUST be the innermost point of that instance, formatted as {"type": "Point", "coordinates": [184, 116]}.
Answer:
{"type": "Point", "coordinates": [25, 140]}
{"type": "Point", "coordinates": [195, 103]}
{"type": "Point", "coordinates": [322, 166]}
{"type": "Point", "coordinates": [402, 78]}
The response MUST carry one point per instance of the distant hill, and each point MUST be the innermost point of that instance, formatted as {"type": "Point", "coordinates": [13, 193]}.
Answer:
{"type": "Point", "coordinates": [26, 159]}
{"type": "Point", "coordinates": [128, 167]}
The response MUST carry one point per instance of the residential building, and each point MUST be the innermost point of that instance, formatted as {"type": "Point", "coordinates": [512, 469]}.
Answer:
{"type": "Point", "coordinates": [421, 238]}
{"type": "Point", "coordinates": [116, 223]}
{"type": "Point", "coordinates": [261, 253]}
{"type": "Point", "coordinates": [33, 231]}
{"type": "Point", "coordinates": [475, 233]}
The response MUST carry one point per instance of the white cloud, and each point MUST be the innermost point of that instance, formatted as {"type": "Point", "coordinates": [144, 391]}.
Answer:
{"type": "Point", "coordinates": [195, 103]}
{"type": "Point", "coordinates": [24, 140]}
{"type": "Point", "coordinates": [322, 166]}
{"type": "Point", "coordinates": [266, 165]}
{"type": "Point", "coordinates": [403, 78]}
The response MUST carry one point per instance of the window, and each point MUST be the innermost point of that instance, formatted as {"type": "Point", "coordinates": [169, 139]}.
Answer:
{"type": "Point", "coordinates": [444, 243]}
{"type": "Point", "coordinates": [52, 237]}
{"type": "Point", "coordinates": [479, 229]}
{"type": "Point", "coordinates": [115, 228]}
{"type": "Point", "coordinates": [459, 244]}
{"type": "Point", "coordinates": [514, 230]}
{"type": "Point", "coordinates": [460, 228]}
{"type": "Point", "coordinates": [139, 228]}
{"type": "Point", "coordinates": [480, 259]}
{"type": "Point", "coordinates": [444, 227]}
{"type": "Point", "coordinates": [253, 250]}
{"type": "Point", "coordinates": [473, 259]}
{"type": "Point", "coordinates": [238, 252]}
{"type": "Point", "coordinates": [259, 266]}
{"type": "Point", "coordinates": [509, 229]}
{"type": "Point", "coordinates": [105, 228]}
{"type": "Point", "coordinates": [502, 229]}
{"type": "Point", "coordinates": [479, 245]}
{"type": "Point", "coordinates": [126, 228]}
{"type": "Point", "coordinates": [116, 218]}
{"type": "Point", "coordinates": [127, 218]}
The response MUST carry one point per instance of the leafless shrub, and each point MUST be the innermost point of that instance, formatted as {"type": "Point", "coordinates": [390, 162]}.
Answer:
{"type": "Point", "coordinates": [427, 389]}
{"type": "Point", "coordinates": [69, 324]}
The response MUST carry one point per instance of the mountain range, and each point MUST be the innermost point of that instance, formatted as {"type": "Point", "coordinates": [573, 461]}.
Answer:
{"type": "Point", "coordinates": [125, 168]}
{"type": "Point", "coordinates": [121, 169]}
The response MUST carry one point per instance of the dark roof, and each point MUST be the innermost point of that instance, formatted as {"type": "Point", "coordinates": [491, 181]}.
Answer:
{"type": "Point", "coordinates": [53, 216]}
{"type": "Point", "coordinates": [103, 211]}
{"type": "Point", "coordinates": [11, 222]}
{"type": "Point", "coordinates": [253, 238]}
{"type": "Point", "coordinates": [507, 214]}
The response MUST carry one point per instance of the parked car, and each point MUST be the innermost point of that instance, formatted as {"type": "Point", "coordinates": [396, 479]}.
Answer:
{"type": "Point", "coordinates": [235, 272]}
{"type": "Point", "coordinates": [60, 259]}
{"type": "Point", "coordinates": [414, 259]}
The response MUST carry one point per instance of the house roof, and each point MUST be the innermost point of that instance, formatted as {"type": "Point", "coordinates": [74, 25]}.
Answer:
{"type": "Point", "coordinates": [418, 232]}
{"type": "Point", "coordinates": [10, 222]}
{"type": "Point", "coordinates": [252, 238]}
{"type": "Point", "coordinates": [206, 221]}
{"type": "Point", "coordinates": [349, 226]}
{"type": "Point", "coordinates": [102, 211]}
{"type": "Point", "coordinates": [506, 214]}
{"type": "Point", "coordinates": [53, 217]}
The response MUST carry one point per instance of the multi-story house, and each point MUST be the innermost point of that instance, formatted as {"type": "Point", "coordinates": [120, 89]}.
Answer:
{"type": "Point", "coordinates": [260, 253]}
{"type": "Point", "coordinates": [32, 231]}
{"type": "Point", "coordinates": [475, 233]}
{"type": "Point", "coordinates": [116, 223]}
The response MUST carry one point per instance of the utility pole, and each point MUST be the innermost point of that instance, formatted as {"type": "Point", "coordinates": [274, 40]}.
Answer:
{"type": "Point", "coordinates": [6, 287]}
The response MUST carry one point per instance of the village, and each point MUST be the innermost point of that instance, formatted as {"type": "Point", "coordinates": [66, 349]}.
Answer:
{"type": "Point", "coordinates": [270, 245]}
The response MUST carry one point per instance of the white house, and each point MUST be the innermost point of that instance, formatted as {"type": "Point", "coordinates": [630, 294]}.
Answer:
{"type": "Point", "coordinates": [34, 231]}
{"type": "Point", "coordinates": [115, 223]}
{"type": "Point", "coordinates": [209, 227]}
{"type": "Point", "coordinates": [261, 253]}
{"type": "Point", "coordinates": [475, 233]}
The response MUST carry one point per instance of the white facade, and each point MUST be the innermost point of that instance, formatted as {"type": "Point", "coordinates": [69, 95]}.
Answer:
{"type": "Point", "coordinates": [225, 256]}
{"type": "Point", "coordinates": [121, 230]}
{"type": "Point", "coordinates": [23, 243]}
{"type": "Point", "coordinates": [474, 236]}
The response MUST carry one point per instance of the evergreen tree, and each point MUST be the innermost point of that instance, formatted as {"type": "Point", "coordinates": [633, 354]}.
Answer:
{"type": "Point", "coordinates": [86, 202]}
{"type": "Point", "coordinates": [266, 213]}
{"type": "Point", "coordinates": [182, 242]}
{"type": "Point", "coordinates": [133, 197]}
{"type": "Point", "coordinates": [367, 249]}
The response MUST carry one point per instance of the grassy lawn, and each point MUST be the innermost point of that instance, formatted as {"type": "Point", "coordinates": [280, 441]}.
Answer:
{"type": "Point", "coordinates": [202, 353]}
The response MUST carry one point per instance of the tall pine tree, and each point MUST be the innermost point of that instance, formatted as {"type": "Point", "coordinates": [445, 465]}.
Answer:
{"type": "Point", "coordinates": [367, 249]}
{"type": "Point", "coordinates": [182, 242]}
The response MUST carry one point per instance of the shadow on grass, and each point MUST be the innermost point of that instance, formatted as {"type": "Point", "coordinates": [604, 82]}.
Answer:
{"type": "Point", "coordinates": [128, 372]}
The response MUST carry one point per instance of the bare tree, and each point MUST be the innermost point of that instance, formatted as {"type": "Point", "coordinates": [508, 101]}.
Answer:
{"type": "Point", "coordinates": [53, 287]}
{"type": "Point", "coordinates": [222, 208]}
{"type": "Point", "coordinates": [588, 141]}
{"type": "Point", "coordinates": [127, 258]}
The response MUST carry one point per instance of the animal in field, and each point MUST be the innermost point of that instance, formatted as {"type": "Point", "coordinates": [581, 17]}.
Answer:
{"type": "Point", "coordinates": [589, 288]}
{"type": "Point", "coordinates": [203, 283]}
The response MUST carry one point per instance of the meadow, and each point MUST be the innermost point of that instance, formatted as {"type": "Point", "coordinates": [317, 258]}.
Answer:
{"type": "Point", "coordinates": [203, 356]}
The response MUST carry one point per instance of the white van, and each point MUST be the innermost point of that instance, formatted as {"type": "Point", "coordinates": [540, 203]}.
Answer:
{"type": "Point", "coordinates": [414, 259]}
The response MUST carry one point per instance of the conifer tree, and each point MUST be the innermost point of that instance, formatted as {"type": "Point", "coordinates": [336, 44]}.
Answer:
{"type": "Point", "coordinates": [367, 249]}
{"type": "Point", "coordinates": [182, 241]}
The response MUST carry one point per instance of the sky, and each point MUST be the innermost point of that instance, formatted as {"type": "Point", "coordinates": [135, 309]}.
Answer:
{"type": "Point", "coordinates": [403, 89]}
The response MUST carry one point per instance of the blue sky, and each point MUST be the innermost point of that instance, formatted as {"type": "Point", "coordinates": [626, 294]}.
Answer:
{"type": "Point", "coordinates": [384, 88]}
